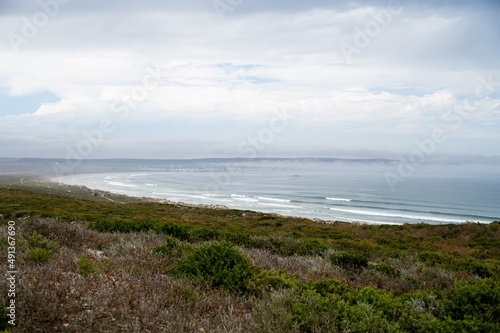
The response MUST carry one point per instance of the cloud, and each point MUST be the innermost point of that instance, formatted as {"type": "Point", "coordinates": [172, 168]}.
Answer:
{"type": "Point", "coordinates": [234, 73]}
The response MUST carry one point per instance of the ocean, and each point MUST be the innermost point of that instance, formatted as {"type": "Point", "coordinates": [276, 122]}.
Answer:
{"type": "Point", "coordinates": [328, 191]}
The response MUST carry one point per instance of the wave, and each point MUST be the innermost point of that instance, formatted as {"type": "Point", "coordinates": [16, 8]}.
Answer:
{"type": "Point", "coordinates": [278, 205]}
{"type": "Point", "coordinates": [273, 199]}
{"type": "Point", "coordinates": [405, 216]}
{"type": "Point", "coordinates": [349, 219]}
{"type": "Point", "coordinates": [338, 199]}
{"type": "Point", "coordinates": [120, 184]}
{"type": "Point", "coordinates": [246, 199]}
{"type": "Point", "coordinates": [468, 214]}
{"type": "Point", "coordinates": [411, 203]}
{"type": "Point", "coordinates": [173, 195]}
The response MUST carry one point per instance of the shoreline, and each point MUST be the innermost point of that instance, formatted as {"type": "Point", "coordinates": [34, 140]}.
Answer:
{"type": "Point", "coordinates": [58, 180]}
{"type": "Point", "coordinates": [210, 206]}
{"type": "Point", "coordinates": [40, 180]}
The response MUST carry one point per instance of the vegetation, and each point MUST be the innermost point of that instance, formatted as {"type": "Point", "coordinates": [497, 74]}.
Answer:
{"type": "Point", "coordinates": [122, 265]}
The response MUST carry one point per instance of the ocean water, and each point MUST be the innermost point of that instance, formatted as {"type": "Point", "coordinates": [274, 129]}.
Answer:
{"type": "Point", "coordinates": [328, 192]}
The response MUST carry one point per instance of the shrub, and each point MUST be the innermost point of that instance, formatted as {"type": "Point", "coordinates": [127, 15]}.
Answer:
{"type": "Point", "coordinates": [339, 310]}
{"type": "Point", "coordinates": [448, 261]}
{"type": "Point", "coordinates": [4, 324]}
{"type": "Point", "coordinates": [175, 230]}
{"type": "Point", "coordinates": [434, 258]}
{"type": "Point", "coordinates": [326, 287]}
{"type": "Point", "coordinates": [287, 246]}
{"type": "Point", "coordinates": [205, 234]}
{"type": "Point", "coordinates": [387, 269]}
{"type": "Point", "coordinates": [479, 300]}
{"type": "Point", "coordinates": [38, 241]}
{"type": "Point", "coordinates": [221, 264]}
{"type": "Point", "coordinates": [238, 238]}
{"type": "Point", "coordinates": [170, 246]}
{"type": "Point", "coordinates": [273, 280]}
{"type": "Point", "coordinates": [38, 256]}
{"type": "Point", "coordinates": [86, 267]}
{"type": "Point", "coordinates": [313, 312]}
{"type": "Point", "coordinates": [349, 260]}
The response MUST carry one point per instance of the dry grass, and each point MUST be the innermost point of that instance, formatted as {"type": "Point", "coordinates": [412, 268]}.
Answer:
{"type": "Point", "coordinates": [128, 292]}
{"type": "Point", "coordinates": [126, 288]}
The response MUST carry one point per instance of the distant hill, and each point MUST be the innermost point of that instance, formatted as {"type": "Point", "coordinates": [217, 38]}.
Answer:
{"type": "Point", "coordinates": [62, 166]}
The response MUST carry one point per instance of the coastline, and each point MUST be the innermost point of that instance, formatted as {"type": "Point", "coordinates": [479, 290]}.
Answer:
{"type": "Point", "coordinates": [254, 193]}
{"type": "Point", "coordinates": [41, 181]}
{"type": "Point", "coordinates": [58, 181]}
{"type": "Point", "coordinates": [44, 180]}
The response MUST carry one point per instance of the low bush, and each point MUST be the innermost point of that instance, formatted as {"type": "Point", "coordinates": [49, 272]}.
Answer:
{"type": "Point", "coordinates": [219, 263]}
{"type": "Point", "coordinates": [86, 268]}
{"type": "Point", "coordinates": [4, 324]}
{"type": "Point", "coordinates": [205, 234]}
{"type": "Point", "coordinates": [387, 269]}
{"type": "Point", "coordinates": [37, 241]}
{"type": "Point", "coordinates": [128, 225]}
{"type": "Point", "coordinates": [349, 260]}
{"type": "Point", "coordinates": [287, 246]}
{"type": "Point", "coordinates": [38, 256]}
{"type": "Point", "coordinates": [169, 247]}
{"type": "Point", "coordinates": [450, 262]}
{"type": "Point", "coordinates": [175, 230]}
{"type": "Point", "coordinates": [273, 280]}
{"type": "Point", "coordinates": [476, 300]}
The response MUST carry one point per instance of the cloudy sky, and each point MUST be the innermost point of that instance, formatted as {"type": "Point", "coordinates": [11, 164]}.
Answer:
{"type": "Point", "coordinates": [224, 78]}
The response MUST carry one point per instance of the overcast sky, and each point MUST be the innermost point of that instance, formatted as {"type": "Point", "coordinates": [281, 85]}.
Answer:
{"type": "Point", "coordinates": [227, 78]}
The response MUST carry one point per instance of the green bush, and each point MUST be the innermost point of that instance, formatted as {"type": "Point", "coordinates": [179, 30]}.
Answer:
{"type": "Point", "coordinates": [387, 269]}
{"type": "Point", "coordinates": [273, 280]}
{"type": "Point", "coordinates": [38, 241]}
{"type": "Point", "coordinates": [133, 225]}
{"type": "Point", "coordinates": [478, 300]}
{"type": "Point", "coordinates": [349, 260]}
{"type": "Point", "coordinates": [221, 264]}
{"type": "Point", "coordinates": [86, 268]}
{"type": "Point", "coordinates": [330, 307]}
{"type": "Point", "coordinates": [38, 256]}
{"type": "Point", "coordinates": [205, 234]}
{"type": "Point", "coordinates": [434, 258]}
{"type": "Point", "coordinates": [169, 247]}
{"type": "Point", "coordinates": [241, 238]}
{"type": "Point", "coordinates": [4, 323]}
{"type": "Point", "coordinates": [175, 230]}
{"type": "Point", "coordinates": [287, 246]}
{"type": "Point", "coordinates": [450, 262]}
{"type": "Point", "coordinates": [314, 313]}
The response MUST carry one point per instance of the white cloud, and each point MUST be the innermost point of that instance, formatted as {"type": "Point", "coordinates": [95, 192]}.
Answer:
{"type": "Point", "coordinates": [422, 62]}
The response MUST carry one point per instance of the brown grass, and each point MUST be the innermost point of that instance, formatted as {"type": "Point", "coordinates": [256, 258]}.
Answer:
{"type": "Point", "coordinates": [129, 292]}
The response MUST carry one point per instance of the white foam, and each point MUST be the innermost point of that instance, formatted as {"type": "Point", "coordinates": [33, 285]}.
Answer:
{"type": "Point", "coordinates": [411, 217]}
{"type": "Point", "coordinates": [120, 184]}
{"type": "Point", "coordinates": [278, 205]}
{"type": "Point", "coordinates": [338, 199]}
{"type": "Point", "coordinates": [245, 199]}
{"type": "Point", "coordinates": [273, 199]}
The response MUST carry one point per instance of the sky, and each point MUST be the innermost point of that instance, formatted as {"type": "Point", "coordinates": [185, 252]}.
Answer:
{"type": "Point", "coordinates": [246, 78]}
